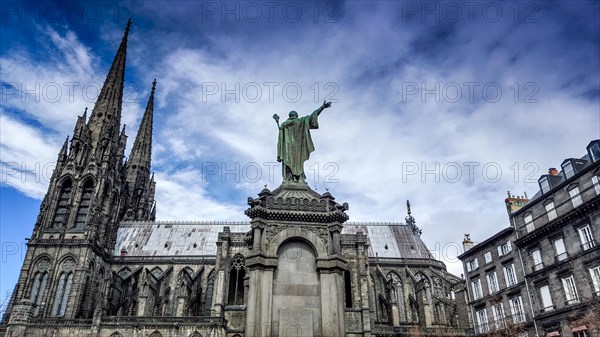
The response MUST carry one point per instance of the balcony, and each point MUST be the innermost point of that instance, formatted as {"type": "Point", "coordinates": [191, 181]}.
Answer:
{"type": "Point", "coordinates": [519, 318]}
{"type": "Point", "coordinates": [561, 257]}
{"type": "Point", "coordinates": [588, 245]}
{"type": "Point", "coordinates": [547, 309]}
{"type": "Point", "coordinates": [511, 322]}
{"type": "Point", "coordinates": [572, 301]}
{"type": "Point", "coordinates": [538, 266]}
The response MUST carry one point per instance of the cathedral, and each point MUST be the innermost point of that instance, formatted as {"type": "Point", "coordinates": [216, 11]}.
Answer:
{"type": "Point", "coordinates": [98, 264]}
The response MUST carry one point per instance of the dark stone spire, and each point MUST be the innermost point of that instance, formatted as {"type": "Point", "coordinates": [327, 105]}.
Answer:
{"type": "Point", "coordinates": [106, 115]}
{"type": "Point", "coordinates": [139, 183]}
{"type": "Point", "coordinates": [142, 147]}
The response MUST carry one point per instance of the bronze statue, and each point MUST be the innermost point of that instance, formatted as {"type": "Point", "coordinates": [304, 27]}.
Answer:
{"type": "Point", "coordinates": [295, 144]}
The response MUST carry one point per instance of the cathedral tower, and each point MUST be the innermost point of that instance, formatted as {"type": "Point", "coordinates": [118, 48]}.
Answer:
{"type": "Point", "coordinates": [67, 264]}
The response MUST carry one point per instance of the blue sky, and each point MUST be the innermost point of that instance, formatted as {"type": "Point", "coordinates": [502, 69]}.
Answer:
{"type": "Point", "coordinates": [448, 104]}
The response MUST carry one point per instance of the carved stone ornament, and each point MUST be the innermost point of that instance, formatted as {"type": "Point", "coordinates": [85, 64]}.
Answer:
{"type": "Point", "coordinates": [68, 265]}
{"type": "Point", "coordinates": [43, 264]}
{"type": "Point", "coordinates": [321, 232]}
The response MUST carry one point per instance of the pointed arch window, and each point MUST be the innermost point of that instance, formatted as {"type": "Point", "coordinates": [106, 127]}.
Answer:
{"type": "Point", "coordinates": [237, 272]}
{"type": "Point", "coordinates": [60, 216]}
{"type": "Point", "coordinates": [37, 291]}
{"type": "Point", "coordinates": [65, 280]}
{"type": "Point", "coordinates": [84, 204]}
{"type": "Point", "coordinates": [208, 294]}
{"type": "Point", "coordinates": [397, 288]}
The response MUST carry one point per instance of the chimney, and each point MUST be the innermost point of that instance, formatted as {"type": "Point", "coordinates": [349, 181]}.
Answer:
{"type": "Point", "coordinates": [552, 171]}
{"type": "Point", "coordinates": [467, 243]}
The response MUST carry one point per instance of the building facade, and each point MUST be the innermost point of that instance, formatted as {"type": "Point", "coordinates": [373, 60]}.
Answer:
{"type": "Point", "coordinates": [98, 264]}
{"type": "Point", "coordinates": [498, 297]}
{"type": "Point", "coordinates": [554, 238]}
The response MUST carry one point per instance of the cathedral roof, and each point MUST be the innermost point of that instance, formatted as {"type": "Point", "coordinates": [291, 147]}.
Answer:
{"type": "Point", "coordinates": [390, 240]}
{"type": "Point", "coordinates": [173, 238]}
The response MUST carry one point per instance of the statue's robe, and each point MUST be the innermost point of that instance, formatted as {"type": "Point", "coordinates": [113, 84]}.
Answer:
{"type": "Point", "coordinates": [295, 144]}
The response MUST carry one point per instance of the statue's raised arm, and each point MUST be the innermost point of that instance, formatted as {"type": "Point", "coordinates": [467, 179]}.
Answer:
{"type": "Point", "coordinates": [323, 107]}
{"type": "Point", "coordinates": [295, 144]}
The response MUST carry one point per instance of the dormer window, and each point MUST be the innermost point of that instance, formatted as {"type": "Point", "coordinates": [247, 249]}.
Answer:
{"type": "Point", "coordinates": [544, 185]}
{"type": "Point", "coordinates": [594, 150]}
{"type": "Point", "coordinates": [568, 169]}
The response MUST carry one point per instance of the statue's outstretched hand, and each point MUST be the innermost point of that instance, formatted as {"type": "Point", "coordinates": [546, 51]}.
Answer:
{"type": "Point", "coordinates": [326, 104]}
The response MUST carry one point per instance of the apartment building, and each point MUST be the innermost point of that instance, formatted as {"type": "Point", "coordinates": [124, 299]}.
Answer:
{"type": "Point", "coordinates": [552, 249]}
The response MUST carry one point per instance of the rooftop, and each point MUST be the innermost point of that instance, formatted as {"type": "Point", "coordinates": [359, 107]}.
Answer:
{"type": "Point", "coordinates": [173, 238]}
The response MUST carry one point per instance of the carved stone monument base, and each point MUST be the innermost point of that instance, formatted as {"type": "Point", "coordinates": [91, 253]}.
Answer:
{"type": "Point", "coordinates": [295, 323]}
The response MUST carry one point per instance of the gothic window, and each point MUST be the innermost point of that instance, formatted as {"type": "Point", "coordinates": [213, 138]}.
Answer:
{"type": "Point", "coordinates": [196, 334]}
{"type": "Point", "coordinates": [208, 294]}
{"type": "Point", "coordinates": [237, 272]}
{"type": "Point", "coordinates": [194, 304]}
{"type": "Point", "coordinates": [439, 313]}
{"type": "Point", "coordinates": [397, 293]}
{"type": "Point", "coordinates": [60, 216]}
{"type": "Point", "coordinates": [84, 204]}
{"type": "Point", "coordinates": [156, 334]}
{"type": "Point", "coordinates": [63, 290]}
{"type": "Point", "coordinates": [348, 289]}
{"type": "Point", "coordinates": [37, 290]}
{"type": "Point", "coordinates": [414, 312]}
{"type": "Point", "coordinates": [420, 276]}
{"type": "Point", "coordinates": [187, 294]}
{"type": "Point", "coordinates": [116, 334]}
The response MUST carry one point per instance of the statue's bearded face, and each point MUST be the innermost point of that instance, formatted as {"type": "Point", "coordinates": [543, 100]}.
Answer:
{"type": "Point", "coordinates": [293, 114]}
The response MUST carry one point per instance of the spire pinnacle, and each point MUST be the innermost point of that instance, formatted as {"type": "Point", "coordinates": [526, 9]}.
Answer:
{"type": "Point", "coordinates": [141, 151]}
{"type": "Point", "coordinates": [138, 177]}
{"type": "Point", "coordinates": [63, 150]}
{"type": "Point", "coordinates": [106, 114]}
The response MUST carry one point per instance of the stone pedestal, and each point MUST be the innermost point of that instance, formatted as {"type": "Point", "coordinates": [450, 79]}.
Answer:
{"type": "Point", "coordinates": [296, 277]}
